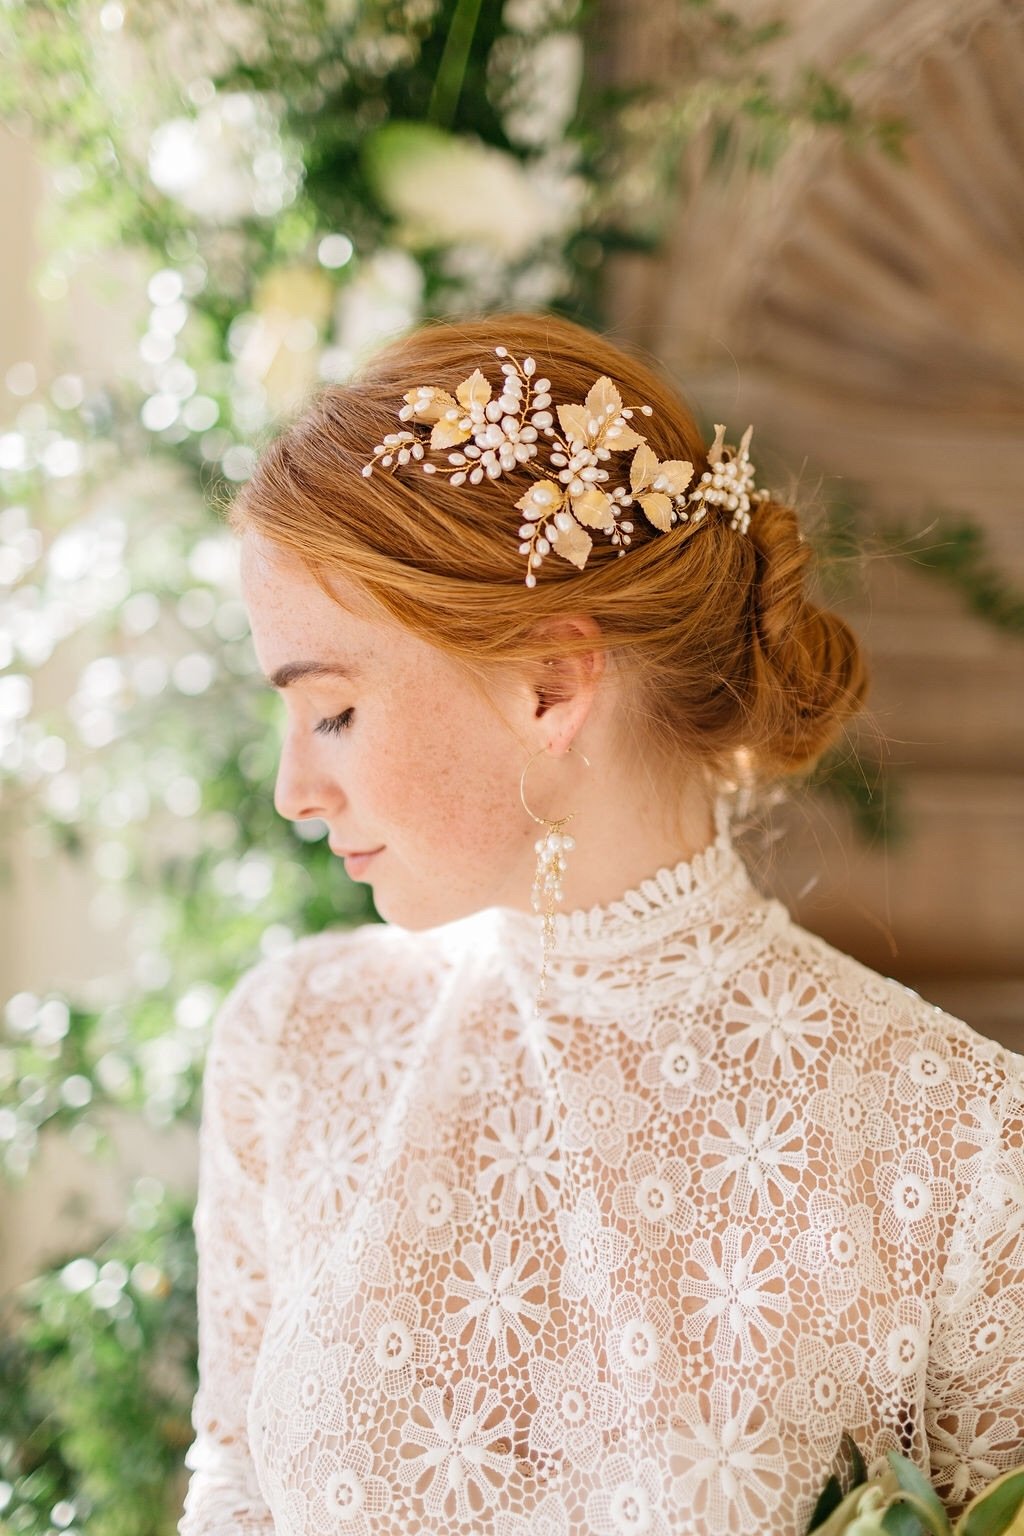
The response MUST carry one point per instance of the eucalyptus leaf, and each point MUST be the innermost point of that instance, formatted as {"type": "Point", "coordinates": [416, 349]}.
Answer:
{"type": "Point", "coordinates": [903, 1520]}
{"type": "Point", "coordinates": [860, 1471]}
{"type": "Point", "coordinates": [830, 1498]}
{"type": "Point", "coordinates": [998, 1510]}
{"type": "Point", "coordinates": [913, 1481]}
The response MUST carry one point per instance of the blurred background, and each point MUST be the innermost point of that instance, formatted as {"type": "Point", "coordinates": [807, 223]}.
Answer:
{"type": "Point", "coordinates": [813, 216]}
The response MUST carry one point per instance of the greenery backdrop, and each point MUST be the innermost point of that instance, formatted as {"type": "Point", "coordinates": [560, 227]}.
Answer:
{"type": "Point", "coordinates": [290, 181]}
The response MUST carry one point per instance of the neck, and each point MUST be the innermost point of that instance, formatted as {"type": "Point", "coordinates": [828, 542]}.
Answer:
{"type": "Point", "coordinates": [616, 847]}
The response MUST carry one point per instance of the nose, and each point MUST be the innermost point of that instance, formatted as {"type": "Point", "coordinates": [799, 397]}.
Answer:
{"type": "Point", "coordinates": [304, 789]}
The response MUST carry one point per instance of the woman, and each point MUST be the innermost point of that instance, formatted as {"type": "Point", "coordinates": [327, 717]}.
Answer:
{"type": "Point", "coordinates": [587, 1192]}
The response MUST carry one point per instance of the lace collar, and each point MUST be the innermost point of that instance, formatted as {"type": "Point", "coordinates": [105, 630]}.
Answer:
{"type": "Point", "coordinates": [713, 882]}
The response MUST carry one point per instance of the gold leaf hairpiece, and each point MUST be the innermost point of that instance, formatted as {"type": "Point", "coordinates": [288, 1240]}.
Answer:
{"type": "Point", "coordinates": [484, 435]}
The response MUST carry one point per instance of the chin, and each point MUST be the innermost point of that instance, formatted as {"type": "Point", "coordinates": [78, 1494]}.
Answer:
{"type": "Point", "coordinates": [419, 917]}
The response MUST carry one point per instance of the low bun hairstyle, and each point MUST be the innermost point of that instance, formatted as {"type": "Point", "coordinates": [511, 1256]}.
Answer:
{"type": "Point", "coordinates": [729, 668]}
{"type": "Point", "coordinates": [808, 672]}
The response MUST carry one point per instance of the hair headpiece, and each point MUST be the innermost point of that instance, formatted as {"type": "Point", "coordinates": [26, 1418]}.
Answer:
{"type": "Point", "coordinates": [560, 507]}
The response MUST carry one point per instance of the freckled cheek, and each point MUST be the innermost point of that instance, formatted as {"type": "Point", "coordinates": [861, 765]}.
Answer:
{"type": "Point", "coordinates": [440, 784]}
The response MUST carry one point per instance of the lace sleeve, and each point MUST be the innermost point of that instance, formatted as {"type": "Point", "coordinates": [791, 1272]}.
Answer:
{"type": "Point", "coordinates": [233, 1290]}
{"type": "Point", "coordinates": [974, 1411]}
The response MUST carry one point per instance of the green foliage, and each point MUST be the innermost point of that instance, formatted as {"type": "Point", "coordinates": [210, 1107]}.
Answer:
{"type": "Point", "coordinates": [97, 1376]}
{"type": "Point", "coordinates": [960, 558]}
{"type": "Point", "coordinates": [899, 1500]}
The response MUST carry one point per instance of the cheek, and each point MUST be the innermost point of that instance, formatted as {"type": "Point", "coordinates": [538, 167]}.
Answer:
{"type": "Point", "coordinates": [449, 784]}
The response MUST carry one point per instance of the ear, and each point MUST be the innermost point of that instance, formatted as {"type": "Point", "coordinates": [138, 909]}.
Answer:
{"type": "Point", "coordinates": [565, 684]}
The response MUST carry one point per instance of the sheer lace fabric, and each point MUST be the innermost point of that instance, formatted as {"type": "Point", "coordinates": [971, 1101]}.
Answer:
{"type": "Point", "coordinates": [627, 1269]}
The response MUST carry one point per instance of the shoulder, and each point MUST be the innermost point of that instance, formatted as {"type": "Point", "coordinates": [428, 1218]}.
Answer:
{"type": "Point", "coordinates": [882, 1010]}
{"type": "Point", "coordinates": [338, 969]}
{"type": "Point", "coordinates": [955, 1090]}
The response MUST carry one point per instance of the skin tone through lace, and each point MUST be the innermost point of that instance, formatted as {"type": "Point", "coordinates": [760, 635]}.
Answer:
{"type": "Point", "coordinates": [406, 756]}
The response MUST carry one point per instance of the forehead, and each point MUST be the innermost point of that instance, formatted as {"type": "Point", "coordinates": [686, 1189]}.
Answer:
{"type": "Point", "coordinates": [293, 619]}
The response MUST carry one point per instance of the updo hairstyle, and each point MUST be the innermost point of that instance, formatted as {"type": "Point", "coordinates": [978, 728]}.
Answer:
{"type": "Point", "coordinates": [729, 668]}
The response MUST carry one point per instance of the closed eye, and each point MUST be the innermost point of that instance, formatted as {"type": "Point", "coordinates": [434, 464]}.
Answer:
{"type": "Point", "coordinates": [336, 724]}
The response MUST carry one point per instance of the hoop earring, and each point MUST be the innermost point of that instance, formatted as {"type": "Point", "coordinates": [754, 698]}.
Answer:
{"type": "Point", "coordinates": [547, 881]}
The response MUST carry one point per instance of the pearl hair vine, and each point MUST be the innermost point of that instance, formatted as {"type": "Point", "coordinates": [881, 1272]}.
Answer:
{"type": "Point", "coordinates": [563, 507]}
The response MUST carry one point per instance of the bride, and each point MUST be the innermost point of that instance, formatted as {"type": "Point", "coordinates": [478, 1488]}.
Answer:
{"type": "Point", "coordinates": [587, 1192]}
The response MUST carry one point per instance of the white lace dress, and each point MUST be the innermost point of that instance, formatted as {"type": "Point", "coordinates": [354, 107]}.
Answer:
{"type": "Point", "coordinates": [628, 1269]}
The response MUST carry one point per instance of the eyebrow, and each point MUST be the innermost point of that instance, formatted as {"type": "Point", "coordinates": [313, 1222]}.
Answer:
{"type": "Point", "coordinates": [292, 671]}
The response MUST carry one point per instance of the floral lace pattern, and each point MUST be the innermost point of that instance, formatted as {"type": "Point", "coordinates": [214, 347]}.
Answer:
{"type": "Point", "coordinates": [626, 1269]}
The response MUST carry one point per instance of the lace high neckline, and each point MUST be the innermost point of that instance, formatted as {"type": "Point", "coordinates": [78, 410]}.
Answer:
{"type": "Point", "coordinates": [665, 902]}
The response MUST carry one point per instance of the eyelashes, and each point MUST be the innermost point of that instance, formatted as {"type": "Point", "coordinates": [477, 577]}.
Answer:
{"type": "Point", "coordinates": [336, 724]}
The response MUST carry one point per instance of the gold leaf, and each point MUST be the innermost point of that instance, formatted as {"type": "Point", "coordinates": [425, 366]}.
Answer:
{"type": "Point", "coordinates": [643, 468]}
{"type": "Point", "coordinates": [573, 419]}
{"type": "Point", "coordinates": [624, 438]}
{"type": "Point", "coordinates": [603, 394]}
{"type": "Point", "coordinates": [657, 510]}
{"type": "Point", "coordinates": [446, 434]}
{"type": "Point", "coordinates": [474, 391]}
{"type": "Point", "coordinates": [573, 544]}
{"type": "Point", "coordinates": [678, 473]}
{"type": "Point", "coordinates": [594, 509]}
{"type": "Point", "coordinates": [430, 408]}
{"type": "Point", "coordinates": [542, 493]}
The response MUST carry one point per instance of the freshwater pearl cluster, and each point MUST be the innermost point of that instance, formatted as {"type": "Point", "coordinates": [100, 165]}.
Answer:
{"type": "Point", "coordinates": [550, 867]}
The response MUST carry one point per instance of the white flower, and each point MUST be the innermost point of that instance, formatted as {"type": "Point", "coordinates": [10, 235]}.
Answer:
{"type": "Point", "coordinates": [369, 1056]}
{"type": "Point", "coordinates": [601, 1113]}
{"type": "Point", "coordinates": [503, 1298]}
{"type": "Point", "coordinates": [592, 1252]}
{"type": "Point", "coordinates": [728, 1459]}
{"type": "Point", "coordinates": [929, 1072]}
{"type": "Point", "coordinates": [518, 1158]}
{"type": "Point", "coordinates": [436, 1206]}
{"type": "Point", "coordinates": [759, 1157]}
{"type": "Point", "coordinates": [364, 1255]}
{"type": "Point", "coordinates": [445, 188]}
{"type": "Point", "coordinates": [733, 1295]}
{"type": "Point", "coordinates": [456, 1450]}
{"type": "Point", "coordinates": [899, 1338]}
{"type": "Point", "coordinates": [309, 1393]}
{"type": "Point", "coordinates": [979, 1126]}
{"type": "Point", "coordinates": [914, 1196]}
{"type": "Point", "coordinates": [641, 1347]}
{"type": "Point", "coordinates": [651, 1196]}
{"type": "Point", "coordinates": [823, 1395]}
{"type": "Point", "coordinates": [838, 1249]}
{"type": "Point", "coordinates": [327, 1164]}
{"type": "Point", "coordinates": [465, 1080]}
{"type": "Point", "coordinates": [548, 1518]}
{"type": "Point", "coordinates": [681, 1068]}
{"type": "Point", "coordinates": [852, 1109]}
{"type": "Point", "coordinates": [983, 1332]}
{"type": "Point", "coordinates": [348, 1498]}
{"type": "Point", "coordinates": [574, 1408]}
{"type": "Point", "coordinates": [397, 1346]}
{"type": "Point", "coordinates": [632, 1500]}
{"type": "Point", "coordinates": [787, 1017]}
{"type": "Point", "coordinates": [963, 1460]}
{"type": "Point", "coordinates": [542, 92]}
{"type": "Point", "coordinates": [877, 998]}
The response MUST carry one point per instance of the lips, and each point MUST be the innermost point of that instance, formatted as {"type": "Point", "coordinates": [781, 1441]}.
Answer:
{"type": "Point", "coordinates": [352, 853]}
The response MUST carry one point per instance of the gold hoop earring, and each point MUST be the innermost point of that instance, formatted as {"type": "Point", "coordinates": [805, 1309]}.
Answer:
{"type": "Point", "coordinates": [547, 881]}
